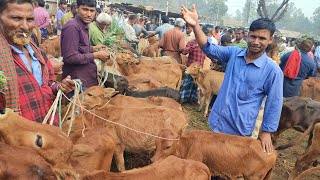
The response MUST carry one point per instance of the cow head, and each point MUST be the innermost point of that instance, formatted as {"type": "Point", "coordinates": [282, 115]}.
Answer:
{"type": "Point", "coordinates": [117, 82]}
{"type": "Point", "coordinates": [124, 58]}
{"type": "Point", "coordinates": [194, 69]}
{"type": "Point", "coordinates": [97, 96]}
{"type": "Point", "coordinates": [23, 163]}
{"type": "Point", "coordinates": [152, 39]}
{"type": "Point", "coordinates": [49, 141]}
{"type": "Point", "coordinates": [164, 147]}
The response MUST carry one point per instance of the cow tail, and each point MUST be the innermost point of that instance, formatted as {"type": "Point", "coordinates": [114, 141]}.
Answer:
{"type": "Point", "coordinates": [298, 140]}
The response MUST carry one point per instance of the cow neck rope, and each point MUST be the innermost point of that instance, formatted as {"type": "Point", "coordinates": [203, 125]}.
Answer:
{"type": "Point", "coordinates": [57, 102]}
{"type": "Point", "coordinates": [121, 125]}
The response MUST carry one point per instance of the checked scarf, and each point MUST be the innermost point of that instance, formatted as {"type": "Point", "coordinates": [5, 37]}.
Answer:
{"type": "Point", "coordinates": [8, 67]}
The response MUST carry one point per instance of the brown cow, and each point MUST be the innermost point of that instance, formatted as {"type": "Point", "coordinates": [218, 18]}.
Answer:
{"type": "Point", "coordinates": [227, 156]}
{"type": "Point", "coordinates": [49, 141]}
{"type": "Point", "coordinates": [312, 153]}
{"type": "Point", "coordinates": [167, 72]}
{"type": "Point", "coordinates": [97, 97]}
{"type": "Point", "coordinates": [147, 120]}
{"type": "Point", "coordinates": [300, 114]}
{"type": "Point", "coordinates": [102, 145]}
{"type": "Point", "coordinates": [208, 81]}
{"type": "Point", "coordinates": [171, 168]}
{"type": "Point", "coordinates": [143, 82]}
{"type": "Point", "coordinates": [153, 49]}
{"type": "Point", "coordinates": [310, 88]}
{"type": "Point", "coordinates": [18, 163]}
{"type": "Point", "coordinates": [52, 47]}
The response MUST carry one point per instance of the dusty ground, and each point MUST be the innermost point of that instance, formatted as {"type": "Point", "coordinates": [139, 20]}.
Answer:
{"type": "Point", "coordinates": [285, 162]}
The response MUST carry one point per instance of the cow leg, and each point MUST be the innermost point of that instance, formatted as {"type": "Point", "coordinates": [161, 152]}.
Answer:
{"type": "Point", "coordinates": [201, 101]}
{"type": "Point", "coordinates": [208, 98]}
{"type": "Point", "coordinates": [108, 154]}
{"type": "Point", "coordinates": [119, 150]}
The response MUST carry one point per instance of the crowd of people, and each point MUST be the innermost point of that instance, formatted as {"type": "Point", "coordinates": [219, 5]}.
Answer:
{"type": "Point", "coordinates": [246, 55]}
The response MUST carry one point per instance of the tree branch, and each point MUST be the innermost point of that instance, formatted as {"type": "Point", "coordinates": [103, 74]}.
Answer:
{"type": "Point", "coordinates": [284, 3]}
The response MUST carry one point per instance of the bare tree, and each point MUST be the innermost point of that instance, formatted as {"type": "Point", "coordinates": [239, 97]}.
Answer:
{"type": "Point", "coordinates": [279, 13]}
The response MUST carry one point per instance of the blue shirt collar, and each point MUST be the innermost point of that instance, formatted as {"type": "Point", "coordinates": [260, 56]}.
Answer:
{"type": "Point", "coordinates": [28, 47]}
{"type": "Point", "coordinates": [258, 62]}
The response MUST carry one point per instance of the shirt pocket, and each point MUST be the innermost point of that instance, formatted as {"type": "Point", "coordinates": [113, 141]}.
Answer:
{"type": "Point", "coordinates": [246, 90]}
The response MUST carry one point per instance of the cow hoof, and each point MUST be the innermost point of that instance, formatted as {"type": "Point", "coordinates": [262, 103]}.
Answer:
{"type": "Point", "coordinates": [2, 110]}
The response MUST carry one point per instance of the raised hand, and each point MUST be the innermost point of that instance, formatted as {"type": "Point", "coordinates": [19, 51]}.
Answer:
{"type": "Point", "coordinates": [191, 17]}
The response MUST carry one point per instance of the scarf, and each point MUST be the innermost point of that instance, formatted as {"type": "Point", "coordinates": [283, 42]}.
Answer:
{"type": "Point", "coordinates": [292, 67]}
{"type": "Point", "coordinates": [8, 67]}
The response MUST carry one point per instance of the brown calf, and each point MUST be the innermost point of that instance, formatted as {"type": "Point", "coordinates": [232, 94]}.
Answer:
{"type": "Point", "coordinates": [208, 81]}
{"type": "Point", "coordinates": [171, 168]}
{"type": "Point", "coordinates": [19, 163]}
{"type": "Point", "coordinates": [227, 156]}
{"type": "Point", "coordinates": [153, 49]}
{"type": "Point", "coordinates": [49, 141]}
{"type": "Point", "coordinates": [97, 97]}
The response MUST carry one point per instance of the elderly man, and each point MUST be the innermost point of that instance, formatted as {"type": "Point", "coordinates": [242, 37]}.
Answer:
{"type": "Point", "coordinates": [31, 85]}
{"type": "Point", "coordinates": [173, 41]}
{"type": "Point", "coordinates": [98, 29]}
{"type": "Point", "coordinates": [130, 37]}
{"type": "Point", "coordinates": [78, 55]}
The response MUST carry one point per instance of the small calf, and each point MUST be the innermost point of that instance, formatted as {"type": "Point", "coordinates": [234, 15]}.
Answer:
{"type": "Point", "coordinates": [227, 156]}
{"type": "Point", "coordinates": [171, 168]}
{"type": "Point", "coordinates": [208, 81]}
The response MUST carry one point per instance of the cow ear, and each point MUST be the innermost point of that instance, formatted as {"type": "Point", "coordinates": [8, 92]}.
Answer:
{"type": "Point", "coordinates": [81, 150]}
{"type": "Point", "coordinates": [109, 92]}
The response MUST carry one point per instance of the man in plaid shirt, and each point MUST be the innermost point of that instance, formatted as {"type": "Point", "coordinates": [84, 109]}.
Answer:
{"type": "Point", "coordinates": [188, 92]}
{"type": "Point", "coordinates": [31, 85]}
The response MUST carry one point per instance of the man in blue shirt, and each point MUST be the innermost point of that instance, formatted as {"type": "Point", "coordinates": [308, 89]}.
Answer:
{"type": "Point", "coordinates": [250, 76]}
{"type": "Point", "coordinates": [62, 10]}
{"type": "Point", "coordinates": [292, 86]}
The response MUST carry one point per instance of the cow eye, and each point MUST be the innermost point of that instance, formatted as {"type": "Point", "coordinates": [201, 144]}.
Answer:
{"type": "Point", "coordinates": [89, 94]}
{"type": "Point", "coordinates": [39, 141]}
{"type": "Point", "coordinates": [168, 147]}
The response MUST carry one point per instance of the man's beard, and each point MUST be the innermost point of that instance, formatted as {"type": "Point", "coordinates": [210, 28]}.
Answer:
{"type": "Point", "coordinates": [21, 40]}
{"type": "Point", "coordinates": [14, 39]}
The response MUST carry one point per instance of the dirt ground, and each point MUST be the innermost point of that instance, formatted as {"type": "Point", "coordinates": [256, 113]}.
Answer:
{"type": "Point", "coordinates": [285, 162]}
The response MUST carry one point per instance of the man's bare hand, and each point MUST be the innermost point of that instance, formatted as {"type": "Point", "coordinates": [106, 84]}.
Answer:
{"type": "Point", "coordinates": [102, 55]}
{"type": "Point", "coordinates": [266, 142]}
{"type": "Point", "coordinates": [67, 85]}
{"type": "Point", "coordinates": [99, 47]}
{"type": "Point", "coordinates": [191, 17]}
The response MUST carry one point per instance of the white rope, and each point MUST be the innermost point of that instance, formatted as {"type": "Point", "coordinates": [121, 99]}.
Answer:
{"type": "Point", "coordinates": [121, 125]}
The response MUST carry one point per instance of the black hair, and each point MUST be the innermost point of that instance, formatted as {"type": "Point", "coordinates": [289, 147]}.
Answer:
{"type": "Point", "coordinates": [73, 5]}
{"type": "Point", "coordinates": [90, 3]}
{"type": "Point", "coordinates": [4, 3]}
{"type": "Point", "coordinates": [41, 3]}
{"type": "Point", "coordinates": [205, 31]}
{"type": "Point", "coordinates": [263, 23]}
{"type": "Point", "coordinates": [217, 27]}
{"type": "Point", "coordinates": [133, 17]}
{"type": "Point", "coordinates": [165, 19]}
{"type": "Point", "coordinates": [226, 39]}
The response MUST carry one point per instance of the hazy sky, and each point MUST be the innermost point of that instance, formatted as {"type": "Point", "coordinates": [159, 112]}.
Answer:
{"type": "Point", "coordinates": [307, 6]}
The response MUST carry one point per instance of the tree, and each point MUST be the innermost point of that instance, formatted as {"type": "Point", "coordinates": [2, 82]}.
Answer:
{"type": "Point", "coordinates": [316, 20]}
{"type": "Point", "coordinates": [248, 12]}
{"type": "Point", "coordinates": [278, 14]}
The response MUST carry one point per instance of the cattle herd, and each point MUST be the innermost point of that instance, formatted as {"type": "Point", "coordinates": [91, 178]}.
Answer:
{"type": "Point", "coordinates": [140, 112]}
